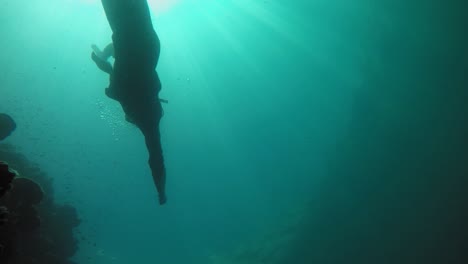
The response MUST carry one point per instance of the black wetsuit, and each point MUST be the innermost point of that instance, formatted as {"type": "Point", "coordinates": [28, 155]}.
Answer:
{"type": "Point", "coordinates": [134, 82]}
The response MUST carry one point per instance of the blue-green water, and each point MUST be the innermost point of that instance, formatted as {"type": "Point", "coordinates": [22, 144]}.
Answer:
{"type": "Point", "coordinates": [273, 105]}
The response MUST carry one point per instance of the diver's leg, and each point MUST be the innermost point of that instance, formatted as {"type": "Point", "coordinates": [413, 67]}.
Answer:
{"type": "Point", "coordinates": [156, 162]}
{"type": "Point", "coordinates": [146, 114]}
{"type": "Point", "coordinates": [149, 125]}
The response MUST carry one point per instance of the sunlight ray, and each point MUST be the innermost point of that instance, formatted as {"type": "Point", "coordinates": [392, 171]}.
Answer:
{"type": "Point", "coordinates": [222, 21]}
{"type": "Point", "coordinates": [270, 18]}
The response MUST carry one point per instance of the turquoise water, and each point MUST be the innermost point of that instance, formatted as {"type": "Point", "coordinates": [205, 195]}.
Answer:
{"type": "Point", "coordinates": [273, 105]}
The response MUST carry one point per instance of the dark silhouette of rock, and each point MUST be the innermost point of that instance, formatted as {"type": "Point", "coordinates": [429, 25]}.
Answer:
{"type": "Point", "coordinates": [26, 192]}
{"type": "Point", "coordinates": [3, 215]}
{"type": "Point", "coordinates": [6, 176]}
{"type": "Point", "coordinates": [7, 126]}
{"type": "Point", "coordinates": [35, 229]}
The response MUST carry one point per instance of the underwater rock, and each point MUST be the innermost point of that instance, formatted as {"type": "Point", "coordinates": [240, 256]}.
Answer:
{"type": "Point", "coordinates": [61, 230]}
{"type": "Point", "coordinates": [3, 215]}
{"type": "Point", "coordinates": [32, 170]}
{"type": "Point", "coordinates": [35, 229]}
{"type": "Point", "coordinates": [23, 196]}
{"type": "Point", "coordinates": [6, 177]}
{"type": "Point", "coordinates": [7, 126]}
{"type": "Point", "coordinates": [26, 192]}
{"type": "Point", "coordinates": [28, 219]}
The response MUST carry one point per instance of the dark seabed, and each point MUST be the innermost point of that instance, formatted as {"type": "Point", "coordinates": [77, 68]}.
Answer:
{"type": "Point", "coordinates": [297, 132]}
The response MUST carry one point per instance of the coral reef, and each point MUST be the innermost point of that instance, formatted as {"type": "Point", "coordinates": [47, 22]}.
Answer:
{"type": "Point", "coordinates": [34, 228]}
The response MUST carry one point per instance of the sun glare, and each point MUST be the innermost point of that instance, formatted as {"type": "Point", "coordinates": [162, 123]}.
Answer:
{"type": "Point", "coordinates": [161, 6]}
{"type": "Point", "coordinates": [156, 6]}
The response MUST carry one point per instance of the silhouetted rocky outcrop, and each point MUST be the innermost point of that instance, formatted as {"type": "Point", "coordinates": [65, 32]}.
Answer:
{"type": "Point", "coordinates": [33, 228]}
{"type": "Point", "coordinates": [7, 125]}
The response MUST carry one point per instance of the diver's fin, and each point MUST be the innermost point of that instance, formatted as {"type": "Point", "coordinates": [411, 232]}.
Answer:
{"type": "Point", "coordinates": [104, 65]}
{"type": "Point", "coordinates": [104, 54]}
{"type": "Point", "coordinates": [97, 51]}
{"type": "Point", "coordinates": [108, 51]}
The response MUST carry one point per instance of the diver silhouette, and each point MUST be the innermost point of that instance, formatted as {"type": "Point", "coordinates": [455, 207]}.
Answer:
{"type": "Point", "coordinates": [134, 82]}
